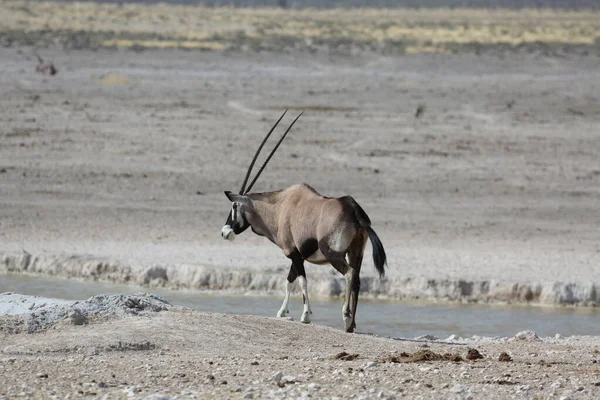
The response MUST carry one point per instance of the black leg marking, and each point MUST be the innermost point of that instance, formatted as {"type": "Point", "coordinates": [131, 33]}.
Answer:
{"type": "Point", "coordinates": [292, 275]}
{"type": "Point", "coordinates": [297, 269]}
{"type": "Point", "coordinates": [308, 248]}
{"type": "Point", "coordinates": [298, 263]}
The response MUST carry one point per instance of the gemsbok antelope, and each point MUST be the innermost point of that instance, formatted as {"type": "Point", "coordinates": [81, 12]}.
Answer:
{"type": "Point", "coordinates": [307, 227]}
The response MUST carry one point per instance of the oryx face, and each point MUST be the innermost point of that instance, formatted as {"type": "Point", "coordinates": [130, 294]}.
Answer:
{"type": "Point", "coordinates": [237, 221]}
{"type": "Point", "coordinates": [241, 206]}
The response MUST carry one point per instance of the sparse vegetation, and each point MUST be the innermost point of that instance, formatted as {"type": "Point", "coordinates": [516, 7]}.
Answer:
{"type": "Point", "coordinates": [388, 30]}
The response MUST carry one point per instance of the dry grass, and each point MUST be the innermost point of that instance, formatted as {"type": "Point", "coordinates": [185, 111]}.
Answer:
{"type": "Point", "coordinates": [427, 30]}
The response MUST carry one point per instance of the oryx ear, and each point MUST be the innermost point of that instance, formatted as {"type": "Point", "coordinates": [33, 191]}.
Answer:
{"type": "Point", "coordinates": [233, 197]}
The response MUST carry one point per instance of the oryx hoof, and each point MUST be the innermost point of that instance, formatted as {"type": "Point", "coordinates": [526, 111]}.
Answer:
{"type": "Point", "coordinates": [282, 313]}
{"type": "Point", "coordinates": [305, 319]}
{"type": "Point", "coordinates": [349, 325]}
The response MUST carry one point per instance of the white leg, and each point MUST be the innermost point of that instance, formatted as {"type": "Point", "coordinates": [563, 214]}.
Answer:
{"type": "Point", "coordinates": [306, 312]}
{"type": "Point", "coordinates": [284, 311]}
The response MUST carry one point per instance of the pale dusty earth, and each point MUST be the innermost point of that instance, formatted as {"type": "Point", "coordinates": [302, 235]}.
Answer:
{"type": "Point", "coordinates": [114, 170]}
{"type": "Point", "coordinates": [142, 347]}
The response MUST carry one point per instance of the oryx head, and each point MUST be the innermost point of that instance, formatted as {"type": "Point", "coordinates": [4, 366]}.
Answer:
{"type": "Point", "coordinates": [237, 221]}
{"type": "Point", "coordinates": [241, 205]}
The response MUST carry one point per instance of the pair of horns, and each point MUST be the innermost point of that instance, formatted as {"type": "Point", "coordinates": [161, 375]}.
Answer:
{"type": "Point", "coordinates": [245, 190]}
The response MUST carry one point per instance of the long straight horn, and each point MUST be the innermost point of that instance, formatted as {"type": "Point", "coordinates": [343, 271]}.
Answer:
{"type": "Point", "coordinates": [258, 151]}
{"type": "Point", "coordinates": [272, 152]}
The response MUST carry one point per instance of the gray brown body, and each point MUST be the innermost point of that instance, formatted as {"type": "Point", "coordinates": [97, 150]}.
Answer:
{"type": "Point", "coordinates": [310, 227]}
{"type": "Point", "coordinates": [307, 227]}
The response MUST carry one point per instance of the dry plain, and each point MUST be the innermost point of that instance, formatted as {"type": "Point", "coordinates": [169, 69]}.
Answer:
{"type": "Point", "coordinates": [114, 169]}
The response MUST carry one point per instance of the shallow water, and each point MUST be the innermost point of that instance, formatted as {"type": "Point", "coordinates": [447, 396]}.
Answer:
{"type": "Point", "coordinates": [386, 318]}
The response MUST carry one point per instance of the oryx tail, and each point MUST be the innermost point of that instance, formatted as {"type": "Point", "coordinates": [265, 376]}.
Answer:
{"type": "Point", "coordinates": [379, 257]}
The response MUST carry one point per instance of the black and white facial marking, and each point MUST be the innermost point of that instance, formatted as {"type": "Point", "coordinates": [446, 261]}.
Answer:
{"type": "Point", "coordinates": [236, 221]}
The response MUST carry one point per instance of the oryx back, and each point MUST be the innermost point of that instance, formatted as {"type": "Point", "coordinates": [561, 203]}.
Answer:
{"type": "Point", "coordinates": [308, 221]}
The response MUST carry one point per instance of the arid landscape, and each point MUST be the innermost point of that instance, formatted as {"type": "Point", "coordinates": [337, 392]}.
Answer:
{"type": "Point", "coordinates": [141, 347]}
{"type": "Point", "coordinates": [90, 25]}
{"type": "Point", "coordinates": [470, 137]}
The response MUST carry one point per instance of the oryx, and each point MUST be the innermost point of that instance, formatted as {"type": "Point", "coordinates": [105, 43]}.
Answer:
{"type": "Point", "coordinates": [307, 227]}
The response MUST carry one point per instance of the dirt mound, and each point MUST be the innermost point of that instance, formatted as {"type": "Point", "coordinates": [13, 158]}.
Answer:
{"type": "Point", "coordinates": [33, 314]}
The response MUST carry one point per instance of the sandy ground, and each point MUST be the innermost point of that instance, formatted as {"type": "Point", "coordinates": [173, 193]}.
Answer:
{"type": "Point", "coordinates": [114, 170]}
{"type": "Point", "coordinates": [142, 347]}
{"type": "Point", "coordinates": [122, 157]}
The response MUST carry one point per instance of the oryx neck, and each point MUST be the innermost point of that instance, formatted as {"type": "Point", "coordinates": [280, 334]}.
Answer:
{"type": "Point", "coordinates": [267, 197]}
{"type": "Point", "coordinates": [266, 207]}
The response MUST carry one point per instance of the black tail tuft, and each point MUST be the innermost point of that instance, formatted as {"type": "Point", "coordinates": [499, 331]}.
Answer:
{"type": "Point", "coordinates": [379, 257]}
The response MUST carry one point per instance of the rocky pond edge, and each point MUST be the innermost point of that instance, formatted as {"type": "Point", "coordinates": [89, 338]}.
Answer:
{"type": "Point", "coordinates": [34, 314]}
{"type": "Point", "coordinates": [244, 281]}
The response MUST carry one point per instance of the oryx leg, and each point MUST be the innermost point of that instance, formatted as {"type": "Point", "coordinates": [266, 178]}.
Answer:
{"type": "Point", "coordinates": [355, 256]}
{"type": "Point", "coordinates": [347, 307]}
{"type": "Point", "coordinates": [354, 284]}
{"type": "Point", "coordinates": [298, 263]}
{"type": "Point", "coordinates": [292, 275]}
{"type": "Point", "coordinates": [338, 261]}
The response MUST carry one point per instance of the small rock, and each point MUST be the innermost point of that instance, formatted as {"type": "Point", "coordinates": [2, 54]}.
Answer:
{"type": "Point", "coordinates": [526, 335]}
{"type": "Point", "coordinates": [77, 317]}
{"type": "Point", "coordinates": [345, 356]}
{"type": "Point", "coordinates": [427, 337]}
{"type": "Point", "coordinates": [457, 389]}
{"type": "Point", "coordinates": [130, 390]}
{"type": "Point", "coordinates": [474, 354]}
{"type": "Point", "coordinates": [313, 386]}
{"type": "Point", "coordinates": [371, 364]}
{"type": "Point", "coordinates": [504, 357]}
{"type": "Point", "coordinates": [558, 336]}
{"type": "Point", "coordinates": [277, 377]}
{"type": "Point", "coordinates": [453, 338]}
{"type": "Point", "coordinates": [248, 396]}
{"type": "Point", "coordinates": [557, 384]}
{"type": "Point", "coordinates": [42, 376]}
